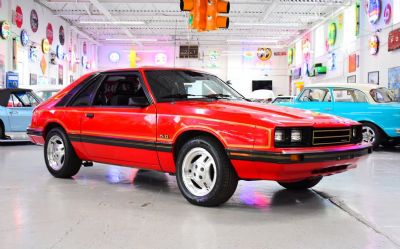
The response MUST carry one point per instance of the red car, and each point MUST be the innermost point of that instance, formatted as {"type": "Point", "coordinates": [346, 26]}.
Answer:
{"type": "Point", "coordinates": [193, 125]}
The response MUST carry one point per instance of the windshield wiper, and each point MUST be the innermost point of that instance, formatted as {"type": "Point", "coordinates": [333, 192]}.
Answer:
{"type": "Point", "coordinates": [180, 96]}
{"type": "Point", "coordinates": [218, 96]}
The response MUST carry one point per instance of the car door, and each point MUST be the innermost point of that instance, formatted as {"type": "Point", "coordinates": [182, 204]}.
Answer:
{"type": "Point", "coordinates": [20, 110]}
{"type": "Point", "coordinates": [350, 103]}
{"type": "Point", "coordinates": [315, 99]}
{"type": "Point", "coordinates": [120, 125]}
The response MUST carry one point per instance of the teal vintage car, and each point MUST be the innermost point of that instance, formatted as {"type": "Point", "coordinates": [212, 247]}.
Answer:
{"type": "Point", "coordinates": [371, 105]}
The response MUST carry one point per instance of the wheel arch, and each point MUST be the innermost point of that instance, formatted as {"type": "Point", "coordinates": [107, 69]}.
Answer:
{"type": "Point", "coordinates": [192, 133]}
{"type": "Point", "coordinates": [51, 125]}
{"type": "Point", "coordinates": [377, 126]}
{"type": "Point", "coordinates": [2, 125]}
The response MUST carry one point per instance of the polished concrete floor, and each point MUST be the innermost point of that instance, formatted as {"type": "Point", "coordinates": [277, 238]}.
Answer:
{"type": "Point", "coordinates": [113, 207]}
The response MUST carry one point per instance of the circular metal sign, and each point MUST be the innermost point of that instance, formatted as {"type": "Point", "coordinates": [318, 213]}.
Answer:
{"type": "Point", "coordinates": [49, 33]}
{"type": "Point", "coordinates": [373, 44]}
{"type": "Point", "coordinates": [24, 38]}
{"type": "Point", "coordinates": [60, 52]}
{"type": "Point", "coordinates": [387, 13]}
{"type": "Point", "coordinates": [5, 30]}
{"type": "Point", "coordinates": [45, 46]}
{"type": "Point", "coordinates": [61, 35]}
{"type": "Point", "coordinates": [373, 10]}
{"type": "Point", "coordinates": [114, 57]}
{"type": "Point", "coordinates": [34, 21]}
{"type": "Point", "coordinates": [19, 18]}
{"type": "Point", "coordinates": [264, 54]}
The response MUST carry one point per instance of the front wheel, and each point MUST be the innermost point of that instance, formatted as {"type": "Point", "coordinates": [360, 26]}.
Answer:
{"type": "Point", "coordinates": [205, 175]}
{"type": "Point", "coordinates": [61, 159]}
{"type": "Point", "coordinates": [301, 185]}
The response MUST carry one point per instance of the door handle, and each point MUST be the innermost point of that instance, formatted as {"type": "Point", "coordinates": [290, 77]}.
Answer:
{"type": "Point", "coordinates": [90, 115]}
{"type": "Point", "coordinates": [328, 109]}
{"type": "Point", "coordinates": [13, 112]}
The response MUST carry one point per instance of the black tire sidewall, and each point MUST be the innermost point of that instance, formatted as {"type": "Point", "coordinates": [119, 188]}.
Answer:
{"type": "Point", "coordinates": [70, 160]}
{"type": "Point", "coordinates": [221, 164]}
{"type": "Point", "coordinates": [378, 136]}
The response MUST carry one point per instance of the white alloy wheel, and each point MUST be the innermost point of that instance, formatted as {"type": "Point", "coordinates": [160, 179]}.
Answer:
{"type": "Point", "coordinates": [56, 152]}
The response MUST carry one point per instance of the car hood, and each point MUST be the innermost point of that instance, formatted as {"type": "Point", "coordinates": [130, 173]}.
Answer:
{"type": "Point", "coordinates": [265, 114]}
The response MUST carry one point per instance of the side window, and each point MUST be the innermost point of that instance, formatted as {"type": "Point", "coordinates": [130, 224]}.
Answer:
{"type": "Point", "coordinates": [14, 101]}
{"type": "Point", "coordinates": [84, 98]}
{"type": "Point", "coordinates": [315, 95]}
{"type": "Point", "coordinates": [349, 96]}
{"type": "Point", "coordinates": [120, 90]}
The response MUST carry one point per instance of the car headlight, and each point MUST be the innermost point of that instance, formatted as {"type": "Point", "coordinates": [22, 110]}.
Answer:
{"type": "Point", "coordinates": [295, 136]}
{"type": "Point", "coordinates": [279, 135]}
{"type": "Point", "coordinates": [354, 132]}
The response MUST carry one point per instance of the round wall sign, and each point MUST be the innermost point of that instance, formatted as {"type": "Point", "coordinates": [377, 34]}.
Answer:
{"type": "Point", "coordinates": [61, 35]}
{"type": "Point", "coordinates": [264, 54]}
{"type": "Point", "coordinates": [290, 55]}
{"type": "Point", "coordinates": [387, 13]}
{"type": "Point", "coordinates": [45, 46]}
{"type": "Point", "coordinates": [34, 21]}
{"type": "Point", "coordinates": [373, 10]}
{"type": "Point", "coordinates": [114, 57]}
{"type": "Point", "coordinates": [5, 30]}
{"type": "Point", "coordinates": [24, 38]}
{"type": "Point", "coordinates": [19, 18]}
{"type": "Point", "coordinates": [332, 34]}
{"type": "Point", "coordinates": [373, 44]}
{"type": "Point", "coordinates": [60, 52]}
{"type": "Point", "coordinates": [49, 33]}
{"type": "Point", "coordinates": [84, 48]}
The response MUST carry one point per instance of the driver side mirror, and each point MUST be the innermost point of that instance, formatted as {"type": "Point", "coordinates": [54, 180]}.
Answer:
{"type": "Point", "coordinates": [228, 82]}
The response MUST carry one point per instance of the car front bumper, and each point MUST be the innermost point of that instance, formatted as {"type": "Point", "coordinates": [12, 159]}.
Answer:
{"type": "Point", "coordinates": [292, 165]}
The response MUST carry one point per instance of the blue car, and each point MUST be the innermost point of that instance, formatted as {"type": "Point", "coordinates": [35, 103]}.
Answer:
{"type": "Point", "coordinates": [371, 105]}
{"type": "Point", "coordinates": [16, 107]}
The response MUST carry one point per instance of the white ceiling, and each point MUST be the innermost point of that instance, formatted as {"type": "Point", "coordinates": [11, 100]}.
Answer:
{"type": "Point", "coordinates": [275, 22]}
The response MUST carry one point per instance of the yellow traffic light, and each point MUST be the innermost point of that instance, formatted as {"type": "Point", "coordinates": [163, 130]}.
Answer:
{"type": "Point", "coordinates": [214, 20]}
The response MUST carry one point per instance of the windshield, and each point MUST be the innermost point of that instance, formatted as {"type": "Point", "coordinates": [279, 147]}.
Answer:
{"type": "Point", "coordinates": [382, 95]}
{"type": "Point", "coordinates": [172, 85]}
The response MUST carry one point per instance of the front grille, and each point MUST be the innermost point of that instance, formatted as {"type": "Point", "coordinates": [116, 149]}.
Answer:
{"type": "Point", "coordinates": [331, 136]}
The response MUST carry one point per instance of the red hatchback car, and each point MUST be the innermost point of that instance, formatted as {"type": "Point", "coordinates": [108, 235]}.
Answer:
{"type": "Point", "coordinates": [193, 125]}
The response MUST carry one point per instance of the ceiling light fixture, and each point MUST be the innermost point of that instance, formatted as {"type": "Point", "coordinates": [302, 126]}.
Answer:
{"type": "Point", "coordinates": [295, 25]}
{"type": "Point", "coordinates": [114, 22]}
{"type": "Point", "coordinates": [132, 39]}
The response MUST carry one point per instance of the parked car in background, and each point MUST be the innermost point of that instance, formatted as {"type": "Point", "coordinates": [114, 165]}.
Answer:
{"type": "Point", "coordinates": [281, 99]}
{"type": "Point", "coordinates": [47, 93]}
{"type": "Point", "coordinates": [16, 107]}
{"type": "Point", "coordinates": [193, 125]}
{"type": "Point", "coordinates": [262, 96]}
{"type": "Point", "coordinates": [372, 105]}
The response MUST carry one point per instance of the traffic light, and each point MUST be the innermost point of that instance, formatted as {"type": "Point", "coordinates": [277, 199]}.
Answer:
{"type": "Point", "coordinates": [214, 20]}
{"type": "Point", "coordinates": [198, 11]}
{"type": "Point", "coordinates": [204, 14]}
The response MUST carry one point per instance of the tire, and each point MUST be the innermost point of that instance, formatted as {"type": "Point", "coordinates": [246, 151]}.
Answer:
{"type": "Point", "coordinates": [204, 172]}
{"type": "Point", "coordinates": [301, 185]}
{"type": "Point", "coordinates": [371, 134]}
{"type": "Point", "coordinates": [2, 132]}
{"type": "Point", "coordinates": [60, 157]}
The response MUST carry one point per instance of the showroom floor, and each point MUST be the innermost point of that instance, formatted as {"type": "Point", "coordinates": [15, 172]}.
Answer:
{"type": "Point", "coordinates": [114, 207]}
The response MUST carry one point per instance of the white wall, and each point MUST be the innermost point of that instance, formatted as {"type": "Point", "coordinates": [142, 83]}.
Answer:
{"type": "Point", "coordinates": [25, 66]}
{"type": "Point", "coordinates": [230, 64]}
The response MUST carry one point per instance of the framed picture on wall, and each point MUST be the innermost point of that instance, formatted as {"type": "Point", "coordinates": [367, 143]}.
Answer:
{"type": "Point", "coordinates": [394, 81]}
{"type": "Point", "coordinates": [351, 79]}
{"type": "Point", "coordinates": [373, 77]}
{"type": "Point", "coordinates": [33, 80]}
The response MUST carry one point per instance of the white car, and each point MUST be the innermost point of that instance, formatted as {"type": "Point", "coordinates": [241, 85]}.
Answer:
{"type": "Point", "coordinates": [262, 96]}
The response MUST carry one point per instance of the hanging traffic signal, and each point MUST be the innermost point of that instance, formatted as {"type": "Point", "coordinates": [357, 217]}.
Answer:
{"type": "Point", "coordinates": [204, 14]}
{"type": "Point", "coordinates": [198, 12]}
{"type": "Point", "coordinates": [214, 20]}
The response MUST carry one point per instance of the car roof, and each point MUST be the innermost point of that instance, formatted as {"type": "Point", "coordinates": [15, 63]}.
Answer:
{"type": "Point", "coordinates": [365, 87]}
{"type": "Point", "coordinates": [5, 94]}
{"type": "Point", "coordinates": [147, 68]}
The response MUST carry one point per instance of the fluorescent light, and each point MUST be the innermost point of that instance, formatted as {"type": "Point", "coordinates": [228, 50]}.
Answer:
{"type": "Point", "coordinates": [268, 24]}
{"type": "Point", "coordinates": [114, 22]}
{"type": "Point", "coordinates": [254, 41]}
{"type": "Point", "coordinates": [132, 39]}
